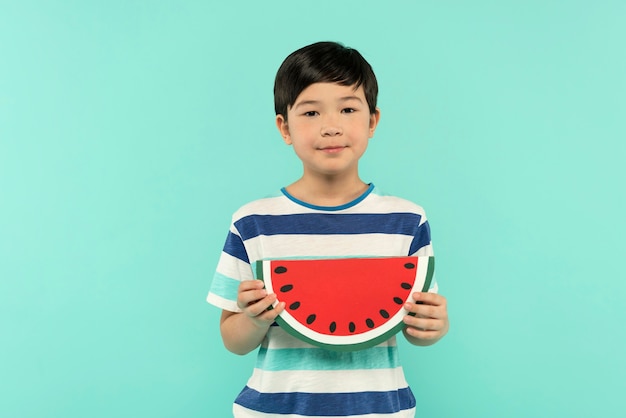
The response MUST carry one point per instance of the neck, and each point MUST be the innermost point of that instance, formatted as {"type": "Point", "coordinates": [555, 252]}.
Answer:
{"type": "Point", "coordinates": [327, 192]}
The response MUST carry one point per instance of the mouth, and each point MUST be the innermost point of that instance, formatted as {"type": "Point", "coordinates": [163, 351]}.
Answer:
{"type": "Point", "coordinates": [333, 149]}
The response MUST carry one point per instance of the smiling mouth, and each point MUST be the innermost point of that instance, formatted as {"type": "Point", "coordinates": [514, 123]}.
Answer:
{"type": "Point", "coordinates": [333, 149]}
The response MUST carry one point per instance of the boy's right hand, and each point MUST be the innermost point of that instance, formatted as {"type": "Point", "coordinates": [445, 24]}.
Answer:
{"type": "Point", "coordinates": [243, 331]}
{"type": "Point", "coordinates": [255, 302]}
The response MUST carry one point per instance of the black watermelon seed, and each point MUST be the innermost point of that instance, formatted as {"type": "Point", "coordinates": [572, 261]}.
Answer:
{"type": "Point", "coordinates": [310, 319]}
{"type": "Point", "coordinates": [369, 323]}
{"type": "Point", "coordinates": [280, 270]}
{"type": "Point", "coordinates": [398, 300]}
{"type": "Point", "coordinates": [409, 266]}
{"type": "Point", "coordinates": [333, 327]}
{"type": "Point", "coordinates": [384, 313]}
{"type": "Point", "coordinates": [351, 327]}
{"type": "Point", "coordinates": [406, 286]}
{"type": "Point", "coordinates": [288, 287]}
{"type": "Point", "coordinates": [294, 306]}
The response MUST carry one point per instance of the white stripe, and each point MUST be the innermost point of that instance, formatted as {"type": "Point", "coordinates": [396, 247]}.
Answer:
{"type": "Point", "coordinates": [241, 412]}
{"type": "Point", "coordinates": [393, 204]}
{"type": "Point", "coordinates": [279, 246]}
{"type": "Point", "coordinates": [327, 381]}
{"type": "Point", "coordinates": [278, 205]}
{"type": "Point", "coordinates": [220, 302]}
{"type": "Point", "coordinates": [233, 267]}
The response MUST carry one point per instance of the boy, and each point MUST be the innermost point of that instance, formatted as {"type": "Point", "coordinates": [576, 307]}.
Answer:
{"type": "Point", "coordinates": [325, 100]}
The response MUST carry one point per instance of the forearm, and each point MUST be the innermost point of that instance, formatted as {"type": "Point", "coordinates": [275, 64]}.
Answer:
{"type": "Point", "coordinates": [240, 334]}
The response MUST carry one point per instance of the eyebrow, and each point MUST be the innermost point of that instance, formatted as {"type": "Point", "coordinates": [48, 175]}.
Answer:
{"type": "Point", "coordinates": [314, 102]}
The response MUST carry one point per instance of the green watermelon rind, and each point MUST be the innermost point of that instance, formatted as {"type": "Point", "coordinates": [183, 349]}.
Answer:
{"type": "Point", "coordinates": [359, 345]}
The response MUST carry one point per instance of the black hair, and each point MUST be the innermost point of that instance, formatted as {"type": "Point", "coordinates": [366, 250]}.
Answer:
{"type": "Point", "coordinates": [323, 62]}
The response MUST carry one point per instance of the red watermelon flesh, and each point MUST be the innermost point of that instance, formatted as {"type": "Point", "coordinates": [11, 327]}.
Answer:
{"type": "Point", "coordinates": [346, 303]}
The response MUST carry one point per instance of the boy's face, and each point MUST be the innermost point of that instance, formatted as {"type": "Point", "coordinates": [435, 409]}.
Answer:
{"type": "Point", "coordinates": [329, 126]}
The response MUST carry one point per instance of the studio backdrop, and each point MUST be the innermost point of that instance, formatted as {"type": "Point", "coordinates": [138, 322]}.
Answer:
{"type": "Point", "coordinates": [130, 131]}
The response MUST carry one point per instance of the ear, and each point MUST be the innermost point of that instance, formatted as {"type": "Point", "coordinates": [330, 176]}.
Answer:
{"type": "Point", "coordinates": [283, 128]}
{"type": "Point", "coordinates": [374, 118]}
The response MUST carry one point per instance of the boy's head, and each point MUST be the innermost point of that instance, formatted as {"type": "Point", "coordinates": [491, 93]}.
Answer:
{"type": "Point", "coordinates": [323, 62]}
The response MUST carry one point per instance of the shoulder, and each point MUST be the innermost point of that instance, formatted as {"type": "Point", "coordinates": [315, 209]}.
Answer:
{"type": "Point", "coordinates": [391, 203]}
{"type": "Point", "coordinates": [269, 205]}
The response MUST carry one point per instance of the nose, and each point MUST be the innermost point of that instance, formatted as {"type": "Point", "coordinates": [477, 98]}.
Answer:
{"type": "Point", "coordinates": [330, 127]}
{"type": "Point", "coordinates": [330, 131]}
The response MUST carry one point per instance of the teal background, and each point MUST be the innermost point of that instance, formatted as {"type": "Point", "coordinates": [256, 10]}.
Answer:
{"type": "Point", "coordinates": [131, 130]}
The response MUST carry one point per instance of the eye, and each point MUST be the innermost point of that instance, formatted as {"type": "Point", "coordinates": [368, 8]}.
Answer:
{"type": "Point", "coordinates": [348, 110]}
{"type": "Point", "coordinates": [310, 113]}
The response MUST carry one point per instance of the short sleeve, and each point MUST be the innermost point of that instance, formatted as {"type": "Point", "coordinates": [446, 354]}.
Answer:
{"type": "Point", "coordinates": [422, 246]}
{"type": "Point", "coordinates": [233, 267]}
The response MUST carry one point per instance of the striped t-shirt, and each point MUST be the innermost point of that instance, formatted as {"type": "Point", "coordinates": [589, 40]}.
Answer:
{"type": "Point", "coordinates": [292, 378]}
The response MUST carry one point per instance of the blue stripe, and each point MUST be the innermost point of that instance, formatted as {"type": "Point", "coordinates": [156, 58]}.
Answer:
{"type": "Point", "coordinates": [421, 238]}
{"type": "Point", "coordinates": [327, 404]}
{"type": "Point", "coordinates": [329, 223]}
{"type": "Point", "coordinates": [234, 246]}
{"type": "Point", "coordinates": [278, 359]}
{"type": "Point", "coordinates": [225, 287]}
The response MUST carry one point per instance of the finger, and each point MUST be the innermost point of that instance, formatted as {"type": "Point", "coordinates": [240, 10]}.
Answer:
{"type": "Point", "coordinates": [249, 292]}
{"type": "Point", "coordinates": [423, 324]}
{"type": "Point", "coordinates": [426, 311]}
{"type": "Point", "coordinates": [271, 314]}
{"type": "Point", "coordinates": [250, 297]}
{"type": "Point", "coordinates": [260, 306]}
{"type": "Point", "coordinates": [423, 335]}
{"type": "Point", "coordinates": [251, 285]}
{"type": "Point", "coordinates": [429, 298]}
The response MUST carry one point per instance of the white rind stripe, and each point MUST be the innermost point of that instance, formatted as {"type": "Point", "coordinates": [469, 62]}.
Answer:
{"type": "Point", "coordinates": [331, 381]}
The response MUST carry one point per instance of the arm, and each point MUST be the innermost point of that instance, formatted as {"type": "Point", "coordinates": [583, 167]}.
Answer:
{"type": "Point", "coordinates": [243, 331]}
{"type": "Point", "coordinates": [430, 322]}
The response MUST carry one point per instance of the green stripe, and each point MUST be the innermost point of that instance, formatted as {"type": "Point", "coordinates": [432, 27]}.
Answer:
{"type": "Point", "coordinates": [320, 359]}
{"type": "Point", "coordinates": [429, 274]}
{"type": "Point", "coordinates": [258, 271]}
{"type": "Point", "coordinates": [432, 283]}
{"type": "Point", "coordinates": [225, 286]}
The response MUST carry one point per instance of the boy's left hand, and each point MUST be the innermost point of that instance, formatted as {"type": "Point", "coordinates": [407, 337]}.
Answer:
{"type": "Point", "coordinates": [430, 322]}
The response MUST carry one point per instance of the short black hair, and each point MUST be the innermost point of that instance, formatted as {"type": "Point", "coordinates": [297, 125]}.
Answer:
{"type": "Point", "coordinates": [323, 62]}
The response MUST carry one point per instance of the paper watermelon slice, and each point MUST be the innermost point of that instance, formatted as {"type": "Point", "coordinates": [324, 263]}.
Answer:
{"type": "Point", "coordinates": [345, 304]}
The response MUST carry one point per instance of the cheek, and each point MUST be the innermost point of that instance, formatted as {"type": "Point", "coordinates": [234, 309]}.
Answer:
{"type": "Point", "coordinates": [299, 146]}
{"type": "Point", "coordinates": [365, 131]}
{"type": "Point", "coordinates": [302, 130]}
